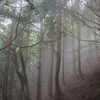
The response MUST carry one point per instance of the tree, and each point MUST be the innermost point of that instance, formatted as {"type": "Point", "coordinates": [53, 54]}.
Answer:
{"type": "Point", "coordinates": [73, 48]}
{"type": "Point", "coordinates": [58, 59]}
{"type": "Point", "coordinates": [39, 66]}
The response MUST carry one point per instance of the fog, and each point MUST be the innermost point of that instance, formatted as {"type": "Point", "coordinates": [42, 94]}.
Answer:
{"type": "Point", "coordinates": [49, 50]}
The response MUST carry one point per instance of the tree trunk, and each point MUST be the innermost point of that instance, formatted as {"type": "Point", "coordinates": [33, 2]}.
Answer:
{"type": "Point", "coordinates": [4, 94]}
{"type": "Point", "coordinates": [79, 51]}
{"type": "Point", "coordinates": [51, 58]}
{"type": "Point", "coordinates": [58, 60]}
{"type": "Point", "coordinates": [73, 48]}
{"type": "Point", "coordinates": [39, 68]}
{"type": "Point", "coordinates": [11, 83]}
{"type": "Point", "coordinates": [25, 79]}
{"type": "Point", "coordinates": [22, 76]}
{"type": "Point", "coordinates": [63, 53]}
{"type": "Point", "coordinates": [51, 71]}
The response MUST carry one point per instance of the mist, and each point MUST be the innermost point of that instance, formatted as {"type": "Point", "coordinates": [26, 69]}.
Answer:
{"type": "Point", "coordinates": [50, 50]}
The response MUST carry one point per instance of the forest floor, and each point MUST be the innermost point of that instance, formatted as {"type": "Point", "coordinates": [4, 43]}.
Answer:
{"type": "Point", "coordinates": [87, 88]}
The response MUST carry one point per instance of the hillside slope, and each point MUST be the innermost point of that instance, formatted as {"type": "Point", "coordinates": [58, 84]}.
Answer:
{"type": "Point", "coordinates": [88, 88]}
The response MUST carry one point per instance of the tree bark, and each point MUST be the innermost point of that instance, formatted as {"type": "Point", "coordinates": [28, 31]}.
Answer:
{"type": "Point", "coordinates": [11, 83]}
{"type": "Point", "coordinates": [39, 68]}
{"type": "Point", "coordinates": [51, 58]}
{"type": "Point", "coordinates": [73, 48]}
{"type": "Point", "coordinates": [22, 76]}
{"type": "Point", "coordinates": [58, 60]}
{"type": "Point", "coordinates": [63, 53]}
{"type": "Point", "coordinates": [4, 94]}
{"type": "Point", "coordinates": [79, 51]}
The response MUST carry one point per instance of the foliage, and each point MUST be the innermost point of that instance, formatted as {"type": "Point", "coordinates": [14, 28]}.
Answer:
{"type": "Point", "coordinates": [81, 47]}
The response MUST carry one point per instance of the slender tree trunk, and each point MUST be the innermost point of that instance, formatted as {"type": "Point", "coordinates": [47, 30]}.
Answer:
{"type": "Point", "coordinates": [4, 94]}
{"type": "Point", "coordinates": [22, 91]}
{"type": "Point", "coordinates": [79, 51]}
{"type": "Point", "coordinates": [50, 77]}
{"type": "Point", "coordinates": [89, 35]}
{"type": "Point", "coordinates": [63, 53]}
{"type": "Point", "coordinates": [73, 47]}
{"type": "Point", "coordinates": [51, 71]}
{"type": "Point", "coordinates": [94, 25]}
{"type": "Point", "coordinates": [58, 60]}
{"type": "Point", "coordinates": [11, 83]}
{"type": "Point", "coordinates": [97, 52]}
{"type": "Point", "coordinates": [51, 58]}
{"type": "Point", "coordinates": [39, 68]}
{"type": "Point", "coordinates": [49, 66]}
{"type": "Point", "coordinates": [39, 85]}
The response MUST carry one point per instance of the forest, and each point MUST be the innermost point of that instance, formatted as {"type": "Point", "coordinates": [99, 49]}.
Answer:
{"type": "Point", "coordinates": [49, 49]}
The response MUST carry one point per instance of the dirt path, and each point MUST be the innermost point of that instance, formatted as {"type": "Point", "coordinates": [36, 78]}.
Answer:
{"type": "Point", "coordinates": [88, 88]}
